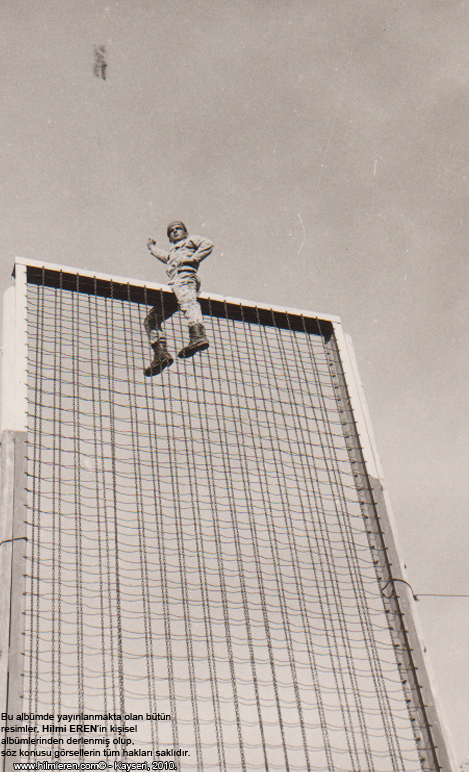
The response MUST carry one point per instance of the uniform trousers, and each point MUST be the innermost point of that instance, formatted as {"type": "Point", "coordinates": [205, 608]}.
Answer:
{"type": "Point", "coordinates": [186, 290]}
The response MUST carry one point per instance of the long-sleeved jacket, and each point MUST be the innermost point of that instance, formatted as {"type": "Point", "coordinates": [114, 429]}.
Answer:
{"type": "Point", "coordinates": [184, 257]}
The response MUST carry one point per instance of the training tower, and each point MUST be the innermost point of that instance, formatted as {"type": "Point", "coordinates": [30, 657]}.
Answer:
{"type": "Point", "coordinates": [212, 544]}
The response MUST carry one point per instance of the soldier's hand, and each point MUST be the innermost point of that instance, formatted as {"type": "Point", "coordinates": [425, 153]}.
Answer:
{"type": "Point", "coordinates": [151, 243]}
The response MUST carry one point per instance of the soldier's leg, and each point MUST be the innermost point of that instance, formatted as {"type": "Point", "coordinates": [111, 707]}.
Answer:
{"type": "Point", "coordinates": [157, 339]}
{"type": "Point", "coordinates": [152, 325]}
{"type": "Point", "coordinates": [186, 292]}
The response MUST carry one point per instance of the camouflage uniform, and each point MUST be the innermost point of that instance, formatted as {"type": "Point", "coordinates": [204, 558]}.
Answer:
{"type": "Point", "coordinates": [182, 262]}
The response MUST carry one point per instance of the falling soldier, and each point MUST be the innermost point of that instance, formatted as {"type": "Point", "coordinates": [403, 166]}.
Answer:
{"type": "Point", "coordinates": [182, 262]}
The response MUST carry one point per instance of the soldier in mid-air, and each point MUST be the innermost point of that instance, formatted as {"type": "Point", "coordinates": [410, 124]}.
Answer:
{"type": "Point", "coordinates": [182, 262]}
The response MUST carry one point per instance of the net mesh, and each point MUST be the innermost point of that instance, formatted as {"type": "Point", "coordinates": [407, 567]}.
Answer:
{"type": "Point", "coordinates": [196, 547]}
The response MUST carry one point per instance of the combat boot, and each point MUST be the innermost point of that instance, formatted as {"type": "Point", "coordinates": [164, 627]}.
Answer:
{"type": "Point", "coordinates": [197, 342]}
{"type": "Point", "coordinates": [161, 360]}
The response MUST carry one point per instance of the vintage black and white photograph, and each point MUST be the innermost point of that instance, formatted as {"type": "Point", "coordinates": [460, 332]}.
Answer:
{"type": "Point", "coordinates": [234, 410]}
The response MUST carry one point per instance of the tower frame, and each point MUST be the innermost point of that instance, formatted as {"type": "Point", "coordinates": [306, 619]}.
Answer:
{"type": "Point", "coordinates": [380, 528]}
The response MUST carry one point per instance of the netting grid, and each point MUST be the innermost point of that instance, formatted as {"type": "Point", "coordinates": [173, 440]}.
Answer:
{"type": "Point", "coordinates": [196, 546]}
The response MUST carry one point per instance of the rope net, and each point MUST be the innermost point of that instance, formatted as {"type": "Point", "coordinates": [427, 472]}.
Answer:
{"type": "Point", "coordinates": [196, 546]}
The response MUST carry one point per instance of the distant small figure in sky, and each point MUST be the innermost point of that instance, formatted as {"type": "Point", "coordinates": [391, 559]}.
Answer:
{"type": "Point", "coordinates": [182, 262]}
{"type": "Point", "coordinates": [100, 63]}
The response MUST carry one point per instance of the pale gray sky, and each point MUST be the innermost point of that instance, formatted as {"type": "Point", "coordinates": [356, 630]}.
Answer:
{"type": "Point", "coordinates": [322, 144]}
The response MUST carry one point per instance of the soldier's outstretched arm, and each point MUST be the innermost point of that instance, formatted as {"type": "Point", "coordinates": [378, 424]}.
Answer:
{"type": "Point", "coordinates": [161, 254]}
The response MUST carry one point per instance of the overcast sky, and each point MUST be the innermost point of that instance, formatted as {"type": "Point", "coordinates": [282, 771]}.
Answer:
{"type": "Point", "coordinates": [322, 144]}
